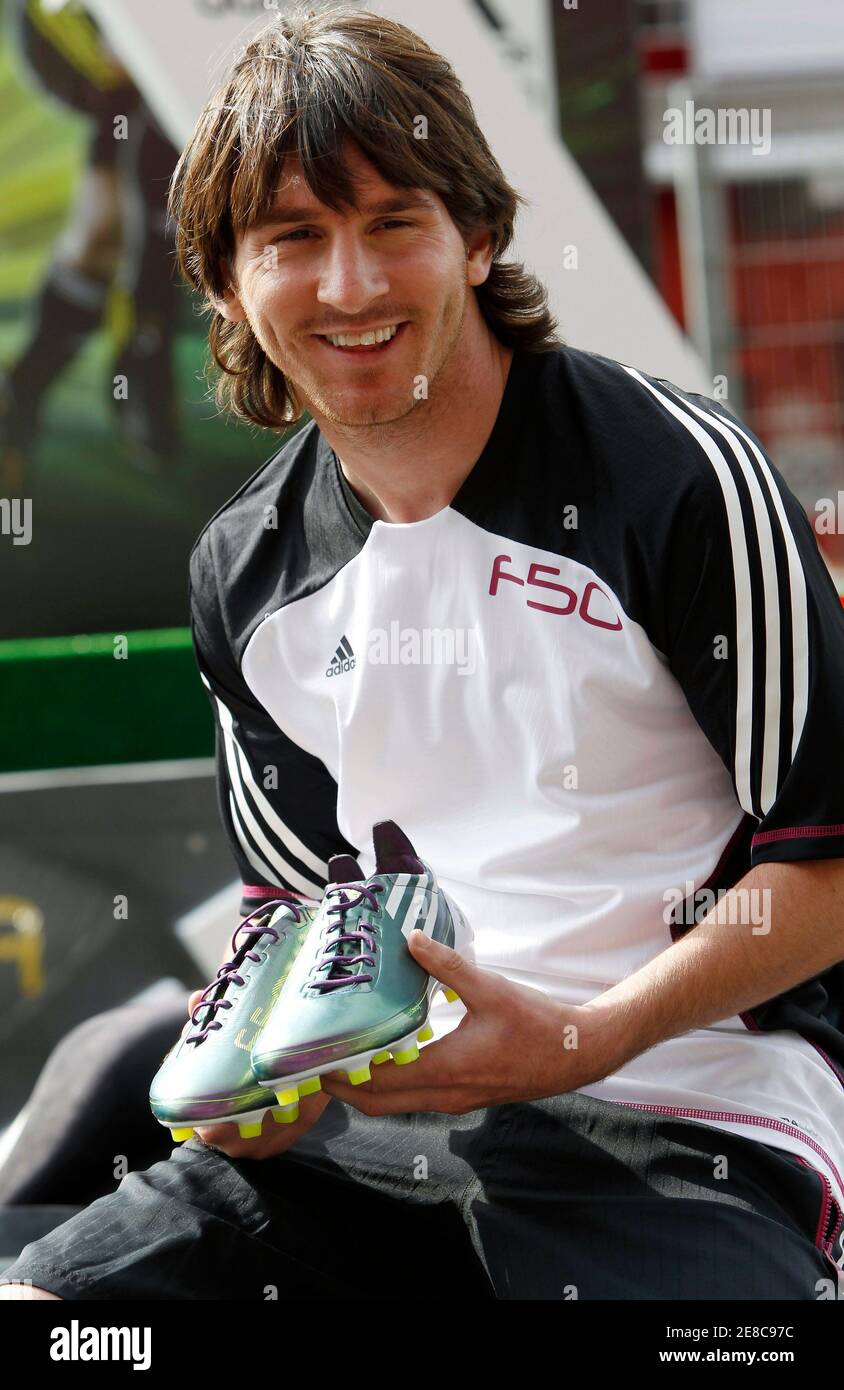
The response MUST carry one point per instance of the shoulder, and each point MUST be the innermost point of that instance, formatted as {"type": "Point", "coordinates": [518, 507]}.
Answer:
{"type": "Point", "coordinates": [260, 505]}
{"type": "Point", "coordinates": [254, 553]}
{"type": "Point", "coordinates": [676, 459]}
{"type": "Point", "coordinates": [648, 428]}
{"type": "Point", "coordinates": [635, 451]}
{"type": "Point", "coordinates": [660, 483]}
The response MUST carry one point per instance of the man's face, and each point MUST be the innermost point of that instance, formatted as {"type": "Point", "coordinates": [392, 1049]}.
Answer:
{"type": "Point", "coordinates": [308, 271]}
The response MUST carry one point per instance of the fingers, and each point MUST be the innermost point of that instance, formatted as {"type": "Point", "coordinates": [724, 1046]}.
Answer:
{"type": "Point", "coordinates": [431, 1083]}
{"type": "Point", "coordinates": [476, 987]}
{"type": "Point", "coordinates": [274, 1138]}
{"type": "Point", "coordinates": [448, 1101]}
{"type": "Point", "coordinates": [438, 1065]}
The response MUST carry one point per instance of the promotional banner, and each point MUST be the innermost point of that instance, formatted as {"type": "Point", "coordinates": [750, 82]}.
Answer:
{"type": "Point", "coordinates": [107, 434]}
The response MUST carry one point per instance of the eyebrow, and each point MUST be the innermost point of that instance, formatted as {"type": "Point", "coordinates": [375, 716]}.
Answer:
{"type": "Point", "coordinates": [302, 212]}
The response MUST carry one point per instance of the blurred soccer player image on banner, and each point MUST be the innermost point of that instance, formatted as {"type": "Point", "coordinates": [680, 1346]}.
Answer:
{"type": "Point", "coordinates": [112, 257]}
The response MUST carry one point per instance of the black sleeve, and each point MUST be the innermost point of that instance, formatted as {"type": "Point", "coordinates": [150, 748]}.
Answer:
{"type": "Point", "coordinates": [755, 636]}
{"type": "Point", "coordinates": [278, 803]}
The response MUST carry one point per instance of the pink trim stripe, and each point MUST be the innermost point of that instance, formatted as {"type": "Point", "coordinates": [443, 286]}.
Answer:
{"type": "Point", "coordinates": [826, 1243]}
{"type": "Point", "coordinates": [827, 1201]}
{"type": "Point", "coordinates": [836, 1071]}
{"type": "Point", "coordinates": [753, 1027]}
{"type": "Point", "coordinates": [736, 1117]}
{"type": "Point", "coordinates": [258, 890]}
{"type": "Point", "coordinates": [714, 880]}
{"type": "Point", "coordinates": [797, 832]}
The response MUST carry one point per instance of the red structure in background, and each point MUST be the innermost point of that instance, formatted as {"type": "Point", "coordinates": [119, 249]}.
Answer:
{"type": "Point", "coordinates": [794, 386]}
{"type": "Point", "coordinates": [786, 287]}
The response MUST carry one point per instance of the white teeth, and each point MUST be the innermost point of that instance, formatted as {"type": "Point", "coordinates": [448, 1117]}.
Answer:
{"type": "Point", "coordinates": [377, 335]}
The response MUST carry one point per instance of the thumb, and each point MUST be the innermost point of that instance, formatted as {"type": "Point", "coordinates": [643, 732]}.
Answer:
{"type": "Point", "coordinates": [469, 981]}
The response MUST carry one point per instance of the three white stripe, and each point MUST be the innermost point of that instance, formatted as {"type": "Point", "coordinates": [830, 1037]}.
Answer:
{"type": "Point", "coordinates": [417, 902]}
{"type": "Point", "coordinates": [747, 623]}
{"type": "Point", "coordinates": [395, 895]}
{"type": "Point", "coordinates": [274, 864]}
{"type": "Point", "coordinates": [415, 907]}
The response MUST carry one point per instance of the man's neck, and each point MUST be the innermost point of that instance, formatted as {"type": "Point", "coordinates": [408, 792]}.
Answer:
{"type": "Point", "coordinates": [412, 468]}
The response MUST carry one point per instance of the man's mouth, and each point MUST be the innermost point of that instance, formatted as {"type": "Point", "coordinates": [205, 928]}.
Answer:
{"type": "Point", "coordinates": [377, 341]}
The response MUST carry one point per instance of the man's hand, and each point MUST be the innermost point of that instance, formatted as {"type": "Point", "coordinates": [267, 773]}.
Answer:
{"type": "Point", "coordinates": [274, 1138]}
{"type": "Point", "coordinates": [513, 1044]}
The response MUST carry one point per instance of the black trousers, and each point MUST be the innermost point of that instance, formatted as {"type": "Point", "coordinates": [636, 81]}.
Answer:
{"type": "Point", "coordinates": [88, 1118]}
{"type": "Point", "coordinates": [565, 1198]}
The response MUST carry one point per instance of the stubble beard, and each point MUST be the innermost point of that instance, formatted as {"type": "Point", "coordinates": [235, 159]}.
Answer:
{"type": "Point", "coordinates": [369, 412]}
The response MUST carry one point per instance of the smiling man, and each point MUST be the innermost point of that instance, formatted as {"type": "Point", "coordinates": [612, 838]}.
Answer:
{"type": "Point", "coordinates": [371, 319]}
{"type": "Point", "coordinates": [635, 1099]}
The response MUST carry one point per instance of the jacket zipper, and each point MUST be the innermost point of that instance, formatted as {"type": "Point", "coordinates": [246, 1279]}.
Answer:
{"type": "Point", "coordinates": [830, 1218]}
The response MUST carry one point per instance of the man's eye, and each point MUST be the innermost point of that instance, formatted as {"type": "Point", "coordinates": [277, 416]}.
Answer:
{"type": "Point", "coordinates": [303, 231]}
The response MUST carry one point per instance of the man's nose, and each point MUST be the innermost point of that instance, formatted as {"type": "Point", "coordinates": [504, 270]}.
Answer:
{"type": "Point", "coordinates": [352, 274]}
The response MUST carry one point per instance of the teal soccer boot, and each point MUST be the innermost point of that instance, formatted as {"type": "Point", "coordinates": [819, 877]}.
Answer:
{"type": "Point", "coordinates": [355, 996]}
{"type": "Point", "coordinates": [207, 1077]}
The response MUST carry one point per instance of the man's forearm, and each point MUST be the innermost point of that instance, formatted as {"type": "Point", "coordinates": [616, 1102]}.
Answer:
{"type": "Point", "coordinates": [723, 966]}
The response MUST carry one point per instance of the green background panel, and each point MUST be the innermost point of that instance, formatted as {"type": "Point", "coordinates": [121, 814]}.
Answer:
{"type": "Point", "coordinates": [69, 702]}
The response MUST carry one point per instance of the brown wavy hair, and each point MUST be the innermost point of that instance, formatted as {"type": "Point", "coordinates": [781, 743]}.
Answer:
{"type": "Point", "coordinates": [307, 82]}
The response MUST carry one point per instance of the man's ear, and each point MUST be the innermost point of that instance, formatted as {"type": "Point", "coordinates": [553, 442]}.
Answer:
{"type": "Point", "coordinates": [229, 305]}
{"type": "Point", "coordinates": [480, 253]}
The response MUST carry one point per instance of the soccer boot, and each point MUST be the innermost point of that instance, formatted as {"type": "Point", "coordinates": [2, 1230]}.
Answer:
{"type": "Point", "coordinates": [207, 1078]}
{"type": "Point", "coordinates": [355, 995]}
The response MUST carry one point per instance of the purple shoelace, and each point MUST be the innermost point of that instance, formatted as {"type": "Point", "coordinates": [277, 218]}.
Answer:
{"type": "Point", "coordinates": [228, 973]}
{"type": "Point", "coordinates": [335, 956]}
